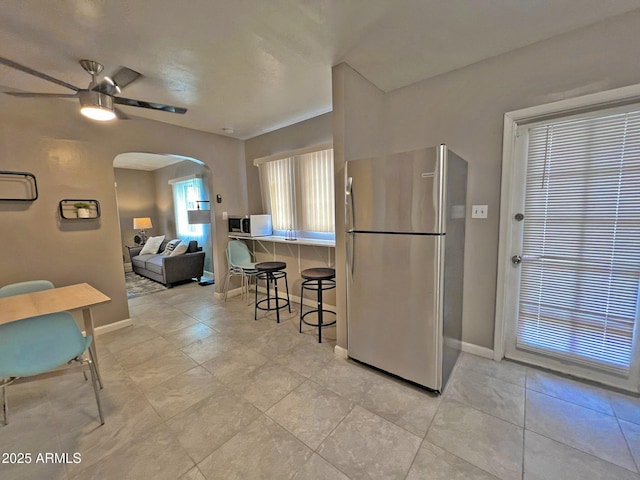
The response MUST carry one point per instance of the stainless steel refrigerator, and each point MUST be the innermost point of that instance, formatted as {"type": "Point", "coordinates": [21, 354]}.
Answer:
{"type": "Point", "coordinates": [405, 216]}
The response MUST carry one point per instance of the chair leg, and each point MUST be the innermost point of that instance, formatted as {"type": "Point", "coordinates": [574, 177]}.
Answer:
{"type": "Point", "coordinates": [301, 300]}
{"type": "Point", "coordinates": [5, 405]}
{"type": "Point", "coordinates": [94, 381]}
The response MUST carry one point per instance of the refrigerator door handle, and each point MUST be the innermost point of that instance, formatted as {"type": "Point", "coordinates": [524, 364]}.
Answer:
{"type": "Point", "coordinates": [350, 246]}
{"type": "Point", "coordinates": [348, 196]}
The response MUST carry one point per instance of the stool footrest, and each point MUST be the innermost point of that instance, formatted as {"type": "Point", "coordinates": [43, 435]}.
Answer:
{"type": "Point", "coordinates": [324, 324]}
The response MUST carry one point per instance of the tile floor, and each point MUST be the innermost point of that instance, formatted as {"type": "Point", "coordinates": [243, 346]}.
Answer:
{"type": "Point", "coordinates": [197, 389]}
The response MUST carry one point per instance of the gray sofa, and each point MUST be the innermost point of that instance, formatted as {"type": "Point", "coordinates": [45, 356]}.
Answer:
{"type": "Point", "coordinates": [169, 270]}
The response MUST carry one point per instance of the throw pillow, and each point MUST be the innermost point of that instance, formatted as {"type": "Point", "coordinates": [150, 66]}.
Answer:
{"type": "Point", "coordinates": [169, 247]}
{"type": "Point", "coordinates": [180, 249]}
{"type": "Point", "coordinates": [152, 245]}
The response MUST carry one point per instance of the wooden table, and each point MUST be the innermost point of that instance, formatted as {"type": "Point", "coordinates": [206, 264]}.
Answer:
{"type": "Point", "coordinates": [80, 296]}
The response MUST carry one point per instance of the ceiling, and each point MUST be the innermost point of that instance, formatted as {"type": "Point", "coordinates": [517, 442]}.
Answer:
{"type": "Point", "coordinates": [257, 65]}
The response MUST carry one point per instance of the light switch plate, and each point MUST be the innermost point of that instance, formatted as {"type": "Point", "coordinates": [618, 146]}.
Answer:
{"type": "Point", "coordinates": [479, 211]}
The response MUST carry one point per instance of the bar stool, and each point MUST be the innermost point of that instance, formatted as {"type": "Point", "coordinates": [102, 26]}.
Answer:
{"type": "Point", "coordinates": [271, 272]}
{"type": "Point", "coordinates": [318, 279]}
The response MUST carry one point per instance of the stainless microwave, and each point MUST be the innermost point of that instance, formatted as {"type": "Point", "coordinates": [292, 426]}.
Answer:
{"type": "Point", "coordinates": [250, 225]}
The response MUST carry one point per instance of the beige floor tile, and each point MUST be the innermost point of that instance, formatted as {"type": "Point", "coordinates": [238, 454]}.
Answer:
{"type": "Point", "coordinates": [490, 395]}
{"type": "Point", "coordinates": [579, 427]}
{"type": "Point", "coordinates": [261, 450]}
{"type": "Point", "coordinates": [545, 459]}
{"type": "Point", "coordinates": [310, 412]}
{"type": "Point", "coordinates": [317, 468]}
{"type": "Point", "coordinates": [181, 392]}
{"type": "Point", "coordinates": [631, 433]}
{"type": "Point", "coordinates": [154, 372]}
{"type": "Point", "coordinates": [266, 385]}
{"type": "Point", "coordinates": [167, 321]}
{"type": "Point", "coordinates": [127, 337]}
{"type": "Point", "coordinates": [569, 390]}
{"type": "Point", "coordinates": [142, 459]}
{"type": "Point", "coordinates": [405, 405]}
{"type": "Point", "coordinates": [348, 379]}
{"type": "Point", "coordinates": [210, 423]}
{"type": "Point", "coordinates": [188, 335]}
{"type": "Point", "coordinates": [193, 474]}
{"type": "Point", "coordinates": [505, 370]}
{"type": "Point", "coordinates": [366, 446]}
{"type": "Point", "coordinates": [209, 348]}
{"type": "Point", "coordinates": [434, 463]}
{"type": "Point", "coordinates": [492, 444]}
{"type": "Point", "coordinates": [232, 364]}
{"type": "Point", "coordinates": [626, 407]}
{"type": "Point", "coordinates": [124, 424]}
{"type": "Point", "coordinates": [305, 359]}
{"type": "Point", "coordinates": [143, 352]}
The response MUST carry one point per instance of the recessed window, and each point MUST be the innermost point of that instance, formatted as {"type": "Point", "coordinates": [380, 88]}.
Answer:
{"type": "Point", "coordinates": [298, 193]}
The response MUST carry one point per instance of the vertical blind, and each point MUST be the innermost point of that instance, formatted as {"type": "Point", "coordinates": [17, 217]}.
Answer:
{"type": "Point", "coordinates": [581, 242]}
{"type": "Point", "coordinates": [298, 192]}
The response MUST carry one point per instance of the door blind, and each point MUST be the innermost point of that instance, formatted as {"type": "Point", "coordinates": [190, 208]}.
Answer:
{"type": "Point", "coordinates": [581, 243]}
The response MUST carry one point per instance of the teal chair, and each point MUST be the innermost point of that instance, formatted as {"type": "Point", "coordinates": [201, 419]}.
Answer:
{"type": "Point", "coordinates": [240, 263]}
{"type": "Point", "coordinates": [38, 345]}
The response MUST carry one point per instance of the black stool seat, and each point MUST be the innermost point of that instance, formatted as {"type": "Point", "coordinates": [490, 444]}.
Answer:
{"type": "Point", "coordinates": [318, 273]}
{"type": "Point", "coordinates": [271, 272]}
{"type": "Point", "coordinates": [270, 266]}
{"type": "Point", "coordinates": [318, 279]}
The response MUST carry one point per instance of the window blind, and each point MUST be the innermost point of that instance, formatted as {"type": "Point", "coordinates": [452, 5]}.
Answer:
{"type": "Point", "coordinates": [581, 243]}
{"type": "Point", "coordinates": [298, 192]}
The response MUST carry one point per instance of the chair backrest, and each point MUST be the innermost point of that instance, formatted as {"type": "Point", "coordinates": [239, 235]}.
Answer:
{"type": "Point", "coordinates": [39, 344]}
{"type": "Point", "coordinates": [238, 254]}
{"type": "Point", "coordinates": [25, 287]}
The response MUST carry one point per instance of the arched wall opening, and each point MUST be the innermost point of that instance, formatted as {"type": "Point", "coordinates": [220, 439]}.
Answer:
{"type": "Point", "coordinates": [145, 184]}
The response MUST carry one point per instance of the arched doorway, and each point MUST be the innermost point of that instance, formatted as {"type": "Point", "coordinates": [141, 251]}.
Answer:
{"type": "Point", "coordinates": [162, 187]}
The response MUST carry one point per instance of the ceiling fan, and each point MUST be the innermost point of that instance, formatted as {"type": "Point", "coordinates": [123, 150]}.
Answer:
{"type": "Point", "coordinates": [98, 99]}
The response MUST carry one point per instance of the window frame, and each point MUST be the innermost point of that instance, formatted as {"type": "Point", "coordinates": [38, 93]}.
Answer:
{"type": "Point", "coordinates": [297, 192]}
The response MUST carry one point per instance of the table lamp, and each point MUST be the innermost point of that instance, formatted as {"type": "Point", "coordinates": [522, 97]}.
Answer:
{"type": "Point", "coordinates": [141, 224]}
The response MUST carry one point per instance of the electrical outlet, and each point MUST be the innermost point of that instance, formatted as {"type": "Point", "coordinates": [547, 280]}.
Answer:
{"type": "Point", "coordinates": [479, 211]}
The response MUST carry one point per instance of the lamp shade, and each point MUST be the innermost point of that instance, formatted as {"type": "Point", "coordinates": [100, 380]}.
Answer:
{"type": "Point", "coordinates": [197, 217]}
{"type": "Point", "coordinates": [142, 223]}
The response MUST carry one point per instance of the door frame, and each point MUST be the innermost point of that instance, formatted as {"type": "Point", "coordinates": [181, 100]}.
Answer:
{"type": "Point", "coordinates": [511, 189]}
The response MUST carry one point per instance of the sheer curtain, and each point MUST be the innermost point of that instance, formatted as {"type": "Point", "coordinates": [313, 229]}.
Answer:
{"type": "Point", "coordinates": [185, 195]}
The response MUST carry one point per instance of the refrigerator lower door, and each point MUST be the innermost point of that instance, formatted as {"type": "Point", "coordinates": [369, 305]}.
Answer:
{"type": "Point", "coordinates": [394, 304]}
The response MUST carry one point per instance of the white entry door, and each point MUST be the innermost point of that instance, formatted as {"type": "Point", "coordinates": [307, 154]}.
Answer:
{"type": "Point", "coordinates": [575, 246]}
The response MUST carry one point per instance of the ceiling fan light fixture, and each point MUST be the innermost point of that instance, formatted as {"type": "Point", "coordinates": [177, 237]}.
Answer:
{"type": "Point", "coordinates": [96, 105]}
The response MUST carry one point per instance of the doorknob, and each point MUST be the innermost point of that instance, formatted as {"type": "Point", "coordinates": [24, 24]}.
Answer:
{"type": "Point", "coordinates": [516, 259]}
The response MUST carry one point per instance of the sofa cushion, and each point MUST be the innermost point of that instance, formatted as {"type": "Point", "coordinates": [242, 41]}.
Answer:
{"type": "Point", "coordinates": [170, 247]}
{"type": "Point", "coordinates": [179, 249]}
{"type": "Point", "coordinates": [154, 264]}
{"type": "Point", "coordinates": [141, 260]}
{"type": "Point", "coordinates": [152, 245]}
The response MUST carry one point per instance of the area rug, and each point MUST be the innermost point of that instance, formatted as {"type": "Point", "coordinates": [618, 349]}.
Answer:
{"type": "Point", "coordinates": [138, 286]}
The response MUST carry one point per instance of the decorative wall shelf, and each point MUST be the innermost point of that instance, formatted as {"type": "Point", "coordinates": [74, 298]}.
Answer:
{"type": "Point", "coordinates": [18, 186]}
{"type": "Point", "coordinates": [69, 210]}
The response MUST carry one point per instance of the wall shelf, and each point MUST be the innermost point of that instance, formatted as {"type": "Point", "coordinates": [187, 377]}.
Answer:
{"type": "Point", "coordinates": [68, 210]}
{"type": "Point", "coordinates": [18, 186]}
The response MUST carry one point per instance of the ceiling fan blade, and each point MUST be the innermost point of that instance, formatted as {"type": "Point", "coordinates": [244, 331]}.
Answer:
{"type": "Point", "coordinates": [153, 106]}
{"type": "Point", "coordinates": [124, 76]}
{"type": "Point", "coordinates": [120, 115]}
{"type": "Point", "coordinates": [34, 95]}
{"type": "Point", "coordinates": [35, 73]}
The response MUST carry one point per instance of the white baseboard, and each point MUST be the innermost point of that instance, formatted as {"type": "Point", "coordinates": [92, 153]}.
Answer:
{"type": "Point", "coordinates": [128, 267]}
{"type": "Point", "coordinates": [340, 352]}
{"type": "Point", "coordinates": [477, 350]}
{"type": "Point", "coordinates": [113, 326]}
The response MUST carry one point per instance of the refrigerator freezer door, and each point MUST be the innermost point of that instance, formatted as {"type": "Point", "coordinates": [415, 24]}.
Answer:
{"type": "Point", "coordinates": [393, 319]}
{"type": "Point", "coordinates": [397, 193]}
